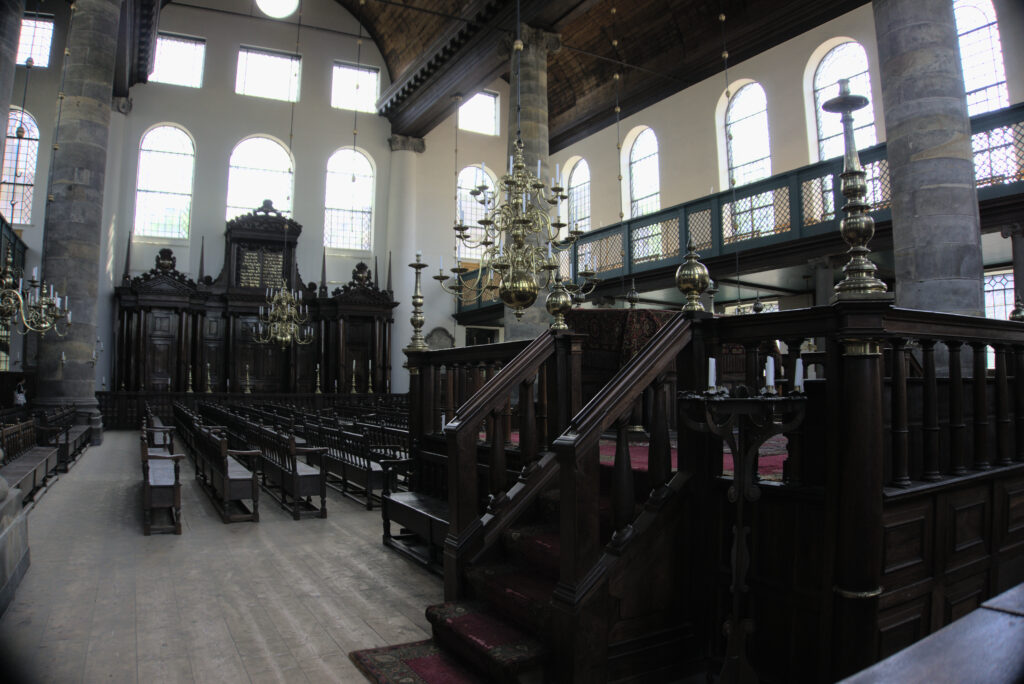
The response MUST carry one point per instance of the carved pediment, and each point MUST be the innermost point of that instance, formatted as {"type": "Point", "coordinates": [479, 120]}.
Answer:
{"type": "Point", "coordinates": [362, 289]}
{"type": "Point", "coordinates": [164, 277]}
{"type": "Point", "coordinates": [266, 219]}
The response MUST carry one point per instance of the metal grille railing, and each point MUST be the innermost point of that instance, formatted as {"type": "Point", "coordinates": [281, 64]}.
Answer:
{"type": "Point", "coordinates": [601, 255]}
{"type": "Point", "coordinates": [656, 241]}
{"type": "Point", "coordinates": [766, 213]}
{"type": "Point", "coordinates": [699, 226]}
{"type": "Point", "coordinates": [998, 155]}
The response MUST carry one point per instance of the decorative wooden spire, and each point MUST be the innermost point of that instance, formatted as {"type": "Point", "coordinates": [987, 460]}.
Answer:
{"type": "Point", "coordinates": [323, 274]}
{"type": "Point", "coordinates": [126, 278]}
{"type": "Point", "coordinates": [389, 271]}
{"type": "Point", "coordinates": [202, 258]}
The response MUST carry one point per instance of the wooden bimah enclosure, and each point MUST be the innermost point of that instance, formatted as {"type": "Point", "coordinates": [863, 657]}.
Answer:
{"type": "Point", "coordinates": [182, 335]}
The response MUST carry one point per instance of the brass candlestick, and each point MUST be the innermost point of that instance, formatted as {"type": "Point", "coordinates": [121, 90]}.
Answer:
{"type": "Point", "coordinates": [189, 387]}
{"type": "Point", "coordinates": [209, 384]}
{"type": "Point", "coordinates": [857, 228]}
{"type": "Point", "coordinates": [417, 343]}
{"type": "Point", "coordinates": [317, 391]}
{"type": "Point", "coordinates": [248, 382]}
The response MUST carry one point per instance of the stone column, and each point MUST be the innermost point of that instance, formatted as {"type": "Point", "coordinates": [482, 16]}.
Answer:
{"type": "Point", "coordinates": [11, 12]}
{"type": "Point", "coordinates": [532, 123]}
{"type": "Point", "coordinates": [936, 229]}
{"type": "Point", "coordinates": [402, 237]}
{"type": "Point", "coordinates": [1016, 234]}
{"type": "Point", "coordinates": [73, 228]}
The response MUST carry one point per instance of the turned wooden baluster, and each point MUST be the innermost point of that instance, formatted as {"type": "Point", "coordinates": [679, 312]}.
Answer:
{"type": "Point", "coordinates": [930, 417]}
{"type": "Point", "coordinates": [900, 443]}
{"type": "Point", "coordinates": [1004, 446]}
{"type": "Point", "coordinates": [430, 379]}
{"type": "Point", "coordinates": [449, 392]}
{"type": "Point", "coordinates": [981, 455]}
{"type": "Point", "coordinates": [1018, 396]}
{"type": "Point", "coordinates": [544, 436]}
{"type": "Point", "coordinates": [623, 493]}
{"type": "Point", "coordinates": [957, 428]}
{"type": "Point", "coordinates": [498, 474]}
{"type": "Point", "coordinates": [527, 425]}
{"type": "Point", "coordinates": [659, 453]}
{"type": "Point", "coordinates": [792, 467]}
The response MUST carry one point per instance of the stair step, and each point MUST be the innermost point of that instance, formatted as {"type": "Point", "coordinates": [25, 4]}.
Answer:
{"type": "Point", "coordinates": [538, 546]}
{"type": "Point", "coordinates": [515, 593]}
{"type": "Point", "coordinates": [494, 646]}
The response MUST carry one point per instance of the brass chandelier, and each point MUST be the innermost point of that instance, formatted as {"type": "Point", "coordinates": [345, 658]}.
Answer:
{"type": "Point", "coordinates": [519, 239]}
{"type": "Point", "coordinates": [283, 320]}
{"type": "Point", "coordinates": [38, 308]}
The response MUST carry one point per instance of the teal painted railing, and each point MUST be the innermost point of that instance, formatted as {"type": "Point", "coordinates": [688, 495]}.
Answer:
{"type": "Point", "coordinates": [788, 206]}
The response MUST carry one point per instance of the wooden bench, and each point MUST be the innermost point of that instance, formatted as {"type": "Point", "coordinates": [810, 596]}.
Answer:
{"type": "Point", "coordinates": [26, 465]}
{"type": "Point", "coordinates": [421, 512]}
{"type": "Point", "coordinates": [60, 422]}
{"type": "Point", "coordinates": [286, 478]}
{"type": "Point", "coordinates": [226, 481]}
{"type": "Point", "coordinates": [348, 459]}
{"type": "Point", "coordinates": [161, 487]}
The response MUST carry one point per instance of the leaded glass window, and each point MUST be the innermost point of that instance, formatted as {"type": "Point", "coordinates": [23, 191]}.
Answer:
{"type": "Point", "coordinates": [348, 216]}
{"type": "Point", "coordinates": [579, 196]}
{"type": "Point", "coordinates": [999, 295]}
{"type": "Point", "coordinates": [470, 210]}
{"type": "Point", "coordinates": [480, 114]}
{"type": "Point", "coordinates": [35, 40]}
{"type": "Point", "coordinates": [19, 173]}
{"type": "Point", "coordinates": [355, 87]}
{"type": "Point", "coordinates": [850, 61]}
{"type": "Point", "coordinates": [269, 74]}
{"type": "Point", "coordinates": [260, 169]}
{"type": "Point", "coordinates": [981, 56]}
{"type": "Point", "coordinates": [644, 181]}
{"type": "Point", "coordinates": [179, 61]}
{"type": "Point", "coordinates": [746, 135]}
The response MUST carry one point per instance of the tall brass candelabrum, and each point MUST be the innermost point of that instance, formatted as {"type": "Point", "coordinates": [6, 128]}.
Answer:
{"type": "Point", "coordinates": [417, 343]}
{"type": "Point", "coordinates": [857, 228]}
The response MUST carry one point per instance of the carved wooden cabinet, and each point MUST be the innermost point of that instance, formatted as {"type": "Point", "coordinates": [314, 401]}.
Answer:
{"type": "Point", "coordinates": [176, 334]}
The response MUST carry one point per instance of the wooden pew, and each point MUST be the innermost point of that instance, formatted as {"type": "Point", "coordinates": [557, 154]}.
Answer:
{"type": "Point", "coordinates": [422, 512]}
{"type": "Point", "coordinates": [348, 459]}
{"type": "Point", "coordinates": [287, 478]}
{"type": "Point", "coordinates": [26, 465]}
{"type": "Point", "coordinates": [57, 427]}
{"type": "Point", "coordinates": [161, 487]}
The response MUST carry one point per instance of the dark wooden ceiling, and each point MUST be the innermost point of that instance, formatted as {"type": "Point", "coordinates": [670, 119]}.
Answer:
{"type": "Point", "coordinates": [435, 49]}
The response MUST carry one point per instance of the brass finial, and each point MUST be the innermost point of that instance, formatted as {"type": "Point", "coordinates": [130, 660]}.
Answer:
{"type": "Point", "coordinates": [857, 228]}
{"type": "Point", "coordinates": [692, 279]}
{"type": "Point", "coordinates": [1018, 310]}
{"type": "Point", "coordinates": [633, 297]}
{"type": "Point", "coordinates": [558, 303]}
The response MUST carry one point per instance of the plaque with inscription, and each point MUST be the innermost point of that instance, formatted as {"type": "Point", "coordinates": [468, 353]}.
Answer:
{"type": "Point", "coordinates": [259, 268]}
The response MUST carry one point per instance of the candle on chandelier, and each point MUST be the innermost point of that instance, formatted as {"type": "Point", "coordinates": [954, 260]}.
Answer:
{"type": "Point", "coordinates": [712, 373]}
{"type": "Point", "coordinates": [538, 169]}
{"type": "Point", "coordinates": [798, 376]}
{"type": "Point", "coordinates": [483, 168]}
{"type": "Point", "coordinates": [441, 267]}
{"type": "Point", "coordinates": [558, 176]}
{"type": "Point", "coordinates": [549, 249]}
{"type": "Point", "coordinates": [35, 272]}
{"type": "Point", "coordinates": [769, 372]}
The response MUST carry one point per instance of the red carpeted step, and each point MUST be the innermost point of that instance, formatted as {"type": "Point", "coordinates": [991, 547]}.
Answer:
{"type": "Point", "coordinates": [537, 546]}
{"type": "Point", "coordinates": [515, 593]}
{"type": "Point", "coordinates": [420, 662]}
{"type": "Point", "coordinates": [490, 644]}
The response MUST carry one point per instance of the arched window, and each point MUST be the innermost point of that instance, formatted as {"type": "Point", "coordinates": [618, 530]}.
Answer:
{"type": "Point", "coordinates": [260, 169]}
{"type": "Point", "coordinates": [746, 135]}
{"type": "Point", "coordinates": [163, 192]}
{"type": "Point", "coordinates": [469, 210]}
{"type": "Point", "coordinates": [981, 56]}
{"type": "Point", "coordinates": [348, 217]}
{"type": "Point", "coordinates": [579, 196]}
{"type": "Point", "coordinates": [850, 61]}
{"type": "Point", "coordinates": [644, 183]}
{"type": "Point", "coordinates": [19, 175]}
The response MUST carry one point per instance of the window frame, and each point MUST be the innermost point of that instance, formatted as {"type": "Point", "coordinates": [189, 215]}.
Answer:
{"type": "Point", "coordinates": [42, 18]}
{"type": "Point", "coordinates": [463, 201]}
{"type": "Point", "coordinates": [496, 97]}
{"type": "Point", "coordinates": [184, 39]}
{"type": "Point", "coordinates": [995, 45]}
{"type": "Point", "coordinates": [370, 209]}
{"type": "Point", "coordinates": [150, 237]}
{"type": "Point", "coordinates": [731, 166]}
{"type": "Point", "coordinates": [342, 64]}
{"type": "Point", "coordinates": [27, 190]}
{"type": "Point", "coordinates": [572, 214]}
{"type": "Point", "coordinates": [291, 176]}
{"type": "Point", "coordinates": [636, 201]}
{"type": "Point", "coordinates": [269, 52]}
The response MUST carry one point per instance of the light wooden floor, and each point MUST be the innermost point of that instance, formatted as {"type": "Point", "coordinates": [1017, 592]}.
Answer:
{"type": "Point", "coordinates": [275, 601]}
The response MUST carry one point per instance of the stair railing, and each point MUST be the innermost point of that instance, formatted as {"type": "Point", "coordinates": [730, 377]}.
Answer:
{"type": "Point", "coordinates": [551, 362]}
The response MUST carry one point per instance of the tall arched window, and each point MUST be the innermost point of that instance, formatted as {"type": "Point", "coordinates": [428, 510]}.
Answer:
{"type": "Point", "coordinates": [19, 174]}
{"type": "Point", "coordinates": [469, 210]}
{"type": "Point", "coordinates": [163, 193]}
{"type": "Point", "coordinates": [579, 196]}
{"type": "Point", "coordinates": [260, 169]}
{"type": "Point", "coordinates": [847, 60]}
{"type": "Point", "coordinates": [746, 135]}
{"type": "Point", "coordinates": [348, 216]}
{"type": "Point", "coordinates": [644, 182]}
{"type": "Point", "coordinates": [981, 56]}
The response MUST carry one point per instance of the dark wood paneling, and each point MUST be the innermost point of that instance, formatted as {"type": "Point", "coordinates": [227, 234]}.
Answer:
{"type": "Point", "coordinates": [902, 625]}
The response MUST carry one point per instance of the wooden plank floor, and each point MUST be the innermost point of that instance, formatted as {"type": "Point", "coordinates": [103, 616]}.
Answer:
{"type": "Point", "coordinates": [276, 601]}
